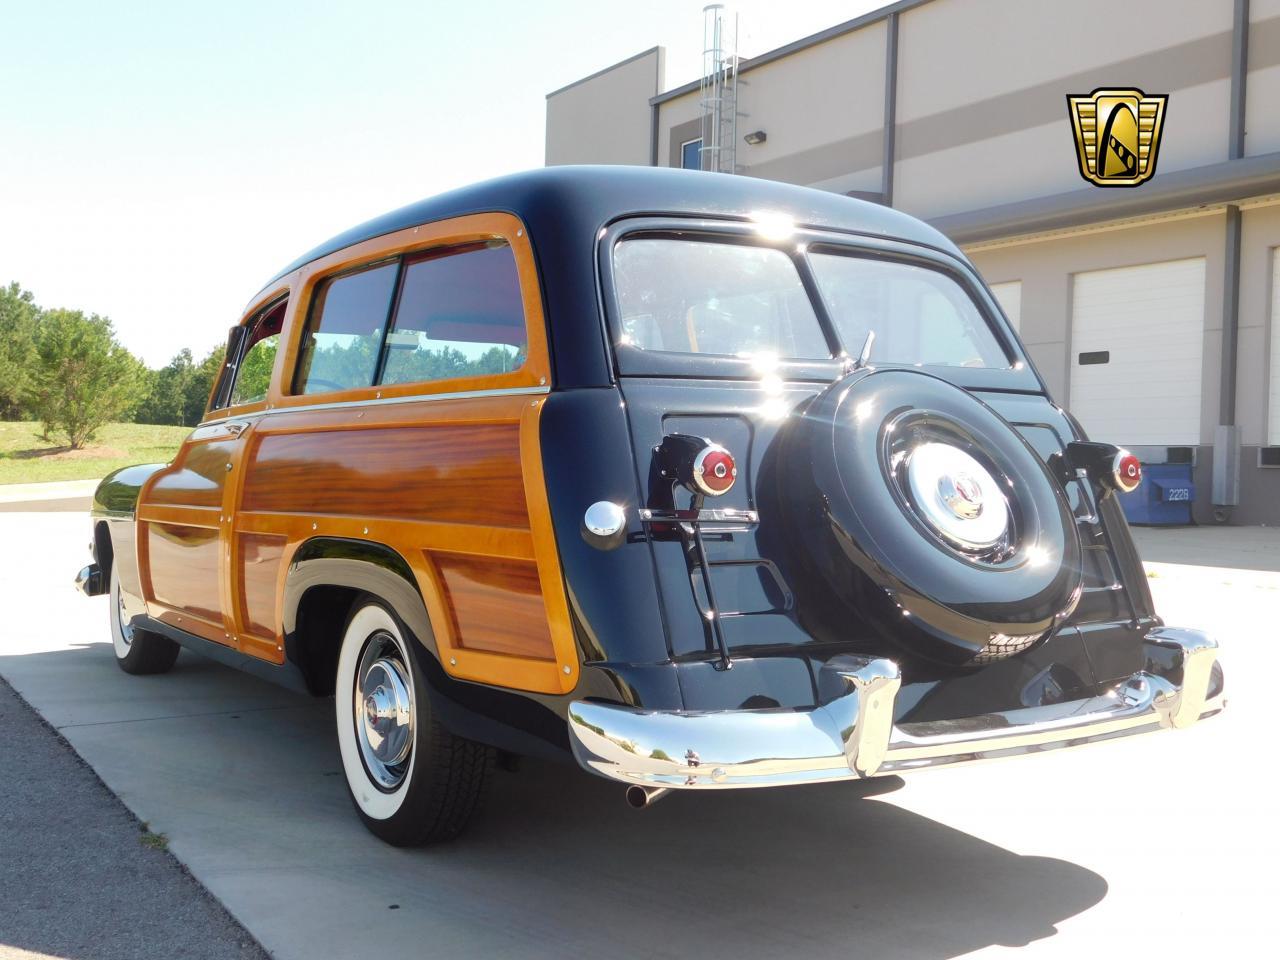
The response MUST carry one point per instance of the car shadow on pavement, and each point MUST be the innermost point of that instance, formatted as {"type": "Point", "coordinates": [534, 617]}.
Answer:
{"type": "Point", "coordinates": [245, 780]}
{"type": "Point", "coordinates": [824, 870]}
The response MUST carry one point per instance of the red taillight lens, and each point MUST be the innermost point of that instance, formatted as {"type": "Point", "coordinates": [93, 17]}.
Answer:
{"type": "Point", "coordinates": [714, 470]}
{"type": "Point", "coordinates": [1126, 472]}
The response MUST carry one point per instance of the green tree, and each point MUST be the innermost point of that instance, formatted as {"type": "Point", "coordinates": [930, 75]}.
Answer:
{"type": "Point", "coordinates": [197, 390]}
{"type": "Point", "coordinates": [83, 377]}
{"type": "Point", "coordinates": [19, 317]}
{"type": "Point", "coordinates": [166, 399]}
{"type": "Point", "coordinates": [255, 371]}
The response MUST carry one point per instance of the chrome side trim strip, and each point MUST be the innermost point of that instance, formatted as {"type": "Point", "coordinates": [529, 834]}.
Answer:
{"type": "Point", "coordinates": [852, 734]}
{"type": "Point", "coordinates": [380, 401]}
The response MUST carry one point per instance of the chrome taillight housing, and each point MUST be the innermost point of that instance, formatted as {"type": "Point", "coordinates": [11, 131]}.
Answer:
{"type": "Point", "coordinates": [696, 463]}
{"type": "Point", "coordinates": [714, 470]}
{"type": "Point", "coordinates": [1109, 466]}
{"type": "Point", "coordinates": [1126, 471]}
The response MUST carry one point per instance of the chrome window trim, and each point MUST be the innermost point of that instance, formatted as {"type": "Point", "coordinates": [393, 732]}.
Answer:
{"type": "Point", "coordinates": [379, 401]}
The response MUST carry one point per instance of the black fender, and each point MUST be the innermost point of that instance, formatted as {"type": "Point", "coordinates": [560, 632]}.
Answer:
{"type": "Point", "coordinates": [115, 503]}
{"type": "Point", "coordinates": [117, 494]}
{"type": "Point", "coordinates": [517, 722]}
{"type": "Point", "coordinates": [356, 565]}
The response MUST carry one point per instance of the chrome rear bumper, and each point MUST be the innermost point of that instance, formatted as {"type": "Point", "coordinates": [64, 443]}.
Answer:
{"type": "Point", "coordinates": [852, 734]}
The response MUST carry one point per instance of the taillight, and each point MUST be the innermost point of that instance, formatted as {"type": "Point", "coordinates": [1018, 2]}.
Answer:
{"type": "Point", "coordinates": [714, 470]}
{"type": "Point", "coordinates": [705, 468]}
{"type": "Point", "coordinates": [1126, 471]}
{"type": "Point", "coordinates": [1109, 466]}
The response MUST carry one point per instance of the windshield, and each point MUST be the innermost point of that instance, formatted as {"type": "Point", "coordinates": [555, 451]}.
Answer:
{"type": "Point", "coordinates": [733, 299]}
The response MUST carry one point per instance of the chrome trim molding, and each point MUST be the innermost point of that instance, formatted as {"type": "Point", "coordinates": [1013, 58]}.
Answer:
{"type": "Point", "coordinates": [379, 401]}
{"type": "Point", "coordinates": [852, 735]}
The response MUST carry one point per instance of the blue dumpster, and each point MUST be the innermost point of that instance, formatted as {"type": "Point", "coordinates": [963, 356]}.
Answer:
{"type": "Point", "coordinates": [1165, 496]}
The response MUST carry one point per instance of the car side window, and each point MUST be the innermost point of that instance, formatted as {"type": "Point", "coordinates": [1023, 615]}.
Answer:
{"type": "Point", "coordinates": [459, 314]}
{"type": "Point", "coordinates": [250, 369]}
{"type": "Point", "coordinates": [340, 345]}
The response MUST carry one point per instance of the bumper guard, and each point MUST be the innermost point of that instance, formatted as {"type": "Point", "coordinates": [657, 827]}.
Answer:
{"type": "Point", "coordinates": [852, 735]}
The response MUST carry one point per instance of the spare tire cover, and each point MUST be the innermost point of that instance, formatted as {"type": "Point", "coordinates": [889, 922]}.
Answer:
{"type": "Point", "coordinates": [964, 543]}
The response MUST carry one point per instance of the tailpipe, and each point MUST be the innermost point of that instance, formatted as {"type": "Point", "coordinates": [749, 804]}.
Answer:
{"type": "Point", "coordinates": [639, 797]}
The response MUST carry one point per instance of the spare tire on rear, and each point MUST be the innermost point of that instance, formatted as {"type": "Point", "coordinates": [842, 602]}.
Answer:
{"type": "Point", "coordinates": [923, 513]}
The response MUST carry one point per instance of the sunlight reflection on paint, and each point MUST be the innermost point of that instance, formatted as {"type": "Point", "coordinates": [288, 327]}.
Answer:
{"type": "Point", "coordinates": [772, 225]}
{"type": "Point", "coordinates": [773, 409]}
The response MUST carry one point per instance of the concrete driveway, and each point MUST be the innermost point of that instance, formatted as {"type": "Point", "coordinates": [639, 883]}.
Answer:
{"type": "Point", "coordinates": [1162, 844]}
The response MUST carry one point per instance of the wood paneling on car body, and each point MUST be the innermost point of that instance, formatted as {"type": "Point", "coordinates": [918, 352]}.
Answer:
{"type": "Point", "coordinates": [450, 473]}
{"type": "Point", "coordinates": [184, 568]}
{"type": "Point", "coordinates": [445, 469]}
{"type": "Point", "coordinates": [496, 605]}
{"type": "Point", "coordinates": [258, 560]}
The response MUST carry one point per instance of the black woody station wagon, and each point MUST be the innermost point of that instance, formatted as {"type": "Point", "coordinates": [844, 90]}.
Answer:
{"type": "Point", "coordinates": [705, 481]}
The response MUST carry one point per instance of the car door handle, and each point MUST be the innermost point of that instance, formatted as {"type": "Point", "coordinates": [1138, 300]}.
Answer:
{"type": "Point", "coordinates": [235, 428]}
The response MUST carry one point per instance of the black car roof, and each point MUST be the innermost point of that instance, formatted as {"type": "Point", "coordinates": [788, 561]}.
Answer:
{"type": "Point", "coordinates": [600, 194]}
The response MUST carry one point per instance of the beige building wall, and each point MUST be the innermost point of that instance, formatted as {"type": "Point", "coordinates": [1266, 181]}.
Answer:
{"type": "Point", "coordinates": [981, 107]}
{"type": "Point", "coordinates": [1258, 376]}
{"type": "Point", "coordinates": [678, 121]}
{"type": "Point", "coordinates": [1262, 103]}
{"type": "Point", "coordinates": [605, 118]}
{"type": "Point", "coordinates": [823, 112]}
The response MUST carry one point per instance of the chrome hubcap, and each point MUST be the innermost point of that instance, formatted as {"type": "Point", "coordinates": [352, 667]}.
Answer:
{"type": "Point", "coordinates": [384, 711]}
{"type": "Point", "coordinates": [126, 630]}
{"type": "Point", "coordinates": [957, 496]}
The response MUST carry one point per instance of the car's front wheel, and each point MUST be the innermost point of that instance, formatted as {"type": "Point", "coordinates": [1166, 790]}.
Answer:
{"type": "Point", "coordinates": [137, 651]}
{"type": "Point", "coordinates": [412, 781]}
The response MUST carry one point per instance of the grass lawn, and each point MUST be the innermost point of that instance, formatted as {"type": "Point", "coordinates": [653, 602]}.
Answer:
{"type": "Point", "coordinates": [25, 458]}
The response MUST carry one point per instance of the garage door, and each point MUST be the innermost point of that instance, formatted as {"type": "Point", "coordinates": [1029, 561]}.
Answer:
{"type": "Point", "coordinates": [1009, 296]}
{"type": "Point", "coordinates": [1273, 406]}
{"type": "Point", "coordinates": [1137, 345]}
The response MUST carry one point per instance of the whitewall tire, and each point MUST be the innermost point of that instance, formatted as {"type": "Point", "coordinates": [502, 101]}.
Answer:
{"type": "Point", "coordinates": [137, 651]}
{"type": "Point", "coordinates": [411, 780]}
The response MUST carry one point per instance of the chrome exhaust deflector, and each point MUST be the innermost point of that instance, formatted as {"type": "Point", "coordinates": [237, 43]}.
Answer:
{"type": "Point", "coordinates": [852, 734]}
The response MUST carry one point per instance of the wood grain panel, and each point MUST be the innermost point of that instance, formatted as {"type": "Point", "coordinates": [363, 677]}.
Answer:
{"type": "Point", "coordinates": [184, 568]}
{"type": "Point", "coordinates": [196, 479]}
{"type": "Point", "coordinates": [464, 473]}
{"type": "Point", "coordinates": [496, 605]}
{"type": "Point", "coordinates": [258, 560]}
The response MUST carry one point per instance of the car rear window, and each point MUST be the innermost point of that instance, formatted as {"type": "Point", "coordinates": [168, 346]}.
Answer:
{"type": "Point", "coordinates": [918, 315]}
{"type": "Point", "coordinates": [692, 296]}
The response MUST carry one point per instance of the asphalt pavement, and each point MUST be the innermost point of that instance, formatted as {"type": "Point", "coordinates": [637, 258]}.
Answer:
{"type": "Point", "coordinates": [81, 876]}
{"type": "Point", "coordinates": [1163, 844]}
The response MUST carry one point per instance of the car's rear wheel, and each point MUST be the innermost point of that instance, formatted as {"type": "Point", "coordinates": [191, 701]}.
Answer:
{"type": "Point", "coordinates": [137, 651]}
{"type": "Point", "coordinates": [411, 780]}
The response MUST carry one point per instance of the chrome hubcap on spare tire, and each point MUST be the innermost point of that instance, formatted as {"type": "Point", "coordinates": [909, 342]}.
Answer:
{"type": "Point", "coordinates": [956, 496]}
{"type": "Point", "coordinates": [383, 711]}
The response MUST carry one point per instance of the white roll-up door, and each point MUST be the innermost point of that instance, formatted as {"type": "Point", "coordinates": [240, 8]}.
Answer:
{"type": "Point", "coordinates": [1137, 345]}
{"type": "Point", "coordinates": [1009, 296]}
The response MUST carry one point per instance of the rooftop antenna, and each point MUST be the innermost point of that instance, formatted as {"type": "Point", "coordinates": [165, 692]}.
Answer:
{"type": "Point", "coordinates": [718, 90]}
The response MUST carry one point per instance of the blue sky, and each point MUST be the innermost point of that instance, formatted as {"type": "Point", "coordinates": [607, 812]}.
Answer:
{"type": "Point", "coordinates": [159, 161]}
